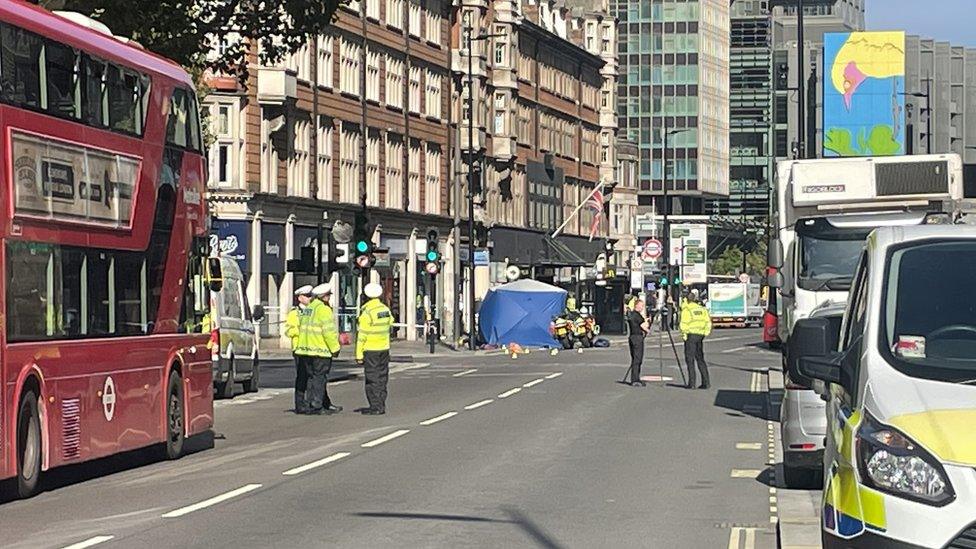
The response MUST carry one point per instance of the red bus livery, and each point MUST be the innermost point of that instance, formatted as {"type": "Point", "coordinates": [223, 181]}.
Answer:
{"type": "Point", "coordinates": [103, 230]}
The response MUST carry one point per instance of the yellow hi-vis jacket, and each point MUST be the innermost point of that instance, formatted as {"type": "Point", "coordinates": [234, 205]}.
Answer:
{"type": "Point", "coordinates": [317, 331]}
{"type": "Point", "coordinates": [695, 320]}
{"type": "Point", "coordinates": [292, 325]}
{"type": "Point", "coordinates": [373, 328]}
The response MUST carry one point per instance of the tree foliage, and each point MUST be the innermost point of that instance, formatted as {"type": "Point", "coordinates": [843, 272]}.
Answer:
{"type": "Point", "coordinates": [211, 34]}
{"type": "Point", "coordinates": [729, 262]}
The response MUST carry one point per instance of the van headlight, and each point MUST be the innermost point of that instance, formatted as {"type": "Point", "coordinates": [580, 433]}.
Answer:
{"type": "Point", "coordinates": [891, 462]}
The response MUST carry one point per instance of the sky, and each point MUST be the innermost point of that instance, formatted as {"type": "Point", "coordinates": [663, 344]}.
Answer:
{"type": "Point", "coordinates": [947, 20]}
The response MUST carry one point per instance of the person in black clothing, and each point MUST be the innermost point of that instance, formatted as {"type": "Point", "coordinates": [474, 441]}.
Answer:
{"type": "Point", "coordinates": [637, 328]}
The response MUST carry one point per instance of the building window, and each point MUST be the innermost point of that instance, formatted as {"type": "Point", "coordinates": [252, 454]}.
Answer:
{"type": "Point", "coordinates": [432, 101]}
{"type": "Point", "coordinates": [605, 155]}
{"type": "Point", "coordinates": [349, 163]}
{"type": "Point", "coordinates": [591, 36]}
{"type": "Point", "coordinates": [606, 46]}
{"type": "Point", "coordinates": [298, 162]}
{"type": "Point", "coordinates": [373, 75]}
{"type": "Point", "coordinates": [300, 63]}
{"type": "Point", "coordinates": [226, 155]}
{"type": "Point", "coordinates": [394, 171]}
{"type": "Point", "coordinates": [394, 13]}
{"type": "Point", "coordinates": [269, 158]}
{"type": "Point", "coordinates": [373, 168]}
{"type": "Point", "coordinates": [324, 171]}
{"type": "Point", "coordinates": [325, 69]}
{"type": "Point", "coordinates": [373, 10]}
{"type": "Point", "coordinates": [349, 70]}
{"type": "Point", "coordinates": [524, 133]}
{"type": "Point", "coordinates": [432, 185]}
{"type": "Point", "coordinates": [394, 82]}
{"type": "Point", "coordinates": [415, 89]}
{"type": "Point", "coordinates": [413, 180]}
{"type": "Point", "coordinates": [434, 18]}
{"type": "Point", "coordinates": [415, 11]}
{"type": "Point", "coordinates": [606, 94]}
{"type": "Point", "coordinates": [501, 46]}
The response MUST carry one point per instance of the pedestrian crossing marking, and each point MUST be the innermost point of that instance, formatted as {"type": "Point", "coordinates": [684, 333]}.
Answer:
{"type": "Point", "coordinates": [742, 538]}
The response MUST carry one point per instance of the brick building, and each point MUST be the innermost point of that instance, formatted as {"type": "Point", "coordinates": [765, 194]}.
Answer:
{"type": "Point", "coordinates": [357, 116]}
{"type": "Point", "coordinates": [544, 79]}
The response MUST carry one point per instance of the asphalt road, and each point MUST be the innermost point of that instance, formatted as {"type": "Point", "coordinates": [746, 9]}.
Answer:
{"type": "Point", "coordinates": [475, 451]}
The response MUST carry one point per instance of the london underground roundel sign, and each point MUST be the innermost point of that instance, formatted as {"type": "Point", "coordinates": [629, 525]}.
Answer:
{"type": "Point", "coordinates": [652, 249]}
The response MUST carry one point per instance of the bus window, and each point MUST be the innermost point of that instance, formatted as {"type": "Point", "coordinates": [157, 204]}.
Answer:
{"type": "Point", "coordinates": [93, 91]}
{"type": "Point", "coordinates": [123, 100]}
{"type": "Point", "coordinates": [196, 295]}
{"type": "Point", "coordinates": [20, 77]}
{"type": "Point", "coordinates": [27, 290]}
{"type": "Point", "coordinates": [61, 78]}
{"type": "Point", "coordinates": [176, 125]}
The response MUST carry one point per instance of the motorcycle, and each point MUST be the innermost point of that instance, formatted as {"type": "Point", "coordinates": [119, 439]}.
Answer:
{"type": "Point", "coordinates": [563, 331]}
{"type": "Point", "coordinates": [585, 328]}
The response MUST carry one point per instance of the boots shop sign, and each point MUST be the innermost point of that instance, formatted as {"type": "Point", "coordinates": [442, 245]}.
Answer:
{"type": "Point", "coordinates": [63, 181]}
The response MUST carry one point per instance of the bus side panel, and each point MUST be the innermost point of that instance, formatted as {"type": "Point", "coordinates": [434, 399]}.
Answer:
{"type": "Point", "coordinates": [198, 390]}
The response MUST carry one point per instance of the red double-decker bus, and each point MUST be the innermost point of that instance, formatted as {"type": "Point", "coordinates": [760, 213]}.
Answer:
{"type": "Point", "coordinates": [102, 244]}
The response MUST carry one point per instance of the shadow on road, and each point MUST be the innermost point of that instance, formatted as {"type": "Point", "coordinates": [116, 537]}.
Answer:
{"type": "Point", "coordinates": [69, 475]}
{"type": "Point", "coordinates": [746, 402]}
{"type": "Point", "coordinates": [515, 517]}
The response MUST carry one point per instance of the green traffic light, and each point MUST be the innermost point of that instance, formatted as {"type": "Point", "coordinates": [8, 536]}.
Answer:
{"type": "Point", "coordinates": [431, 255]}
{"type": "Point", "coordinates": [664, 281]}
{"type": "Point", "coordinates": [362, 246]}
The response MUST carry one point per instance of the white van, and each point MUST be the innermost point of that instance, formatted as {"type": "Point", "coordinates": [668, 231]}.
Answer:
{"type": "Point", "coordinates": [900, 458]}
{"type": "Point", "coordinates": [234, 337]}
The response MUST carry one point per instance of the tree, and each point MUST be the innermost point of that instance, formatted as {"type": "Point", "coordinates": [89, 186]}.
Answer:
{"type": "Point", "coordinates": [211, 34]}
{"type": "Point", "coordinates": [729, 262]}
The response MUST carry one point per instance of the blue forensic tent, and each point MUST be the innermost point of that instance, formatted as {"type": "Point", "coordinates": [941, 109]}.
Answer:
{"type": "Point", "coordinates": [521, 312]}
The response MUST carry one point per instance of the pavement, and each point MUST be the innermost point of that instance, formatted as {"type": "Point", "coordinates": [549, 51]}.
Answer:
{"type": "Point", "coordinates": [475, 451]}
{"type": "Point", "coordinates": [798, 510]}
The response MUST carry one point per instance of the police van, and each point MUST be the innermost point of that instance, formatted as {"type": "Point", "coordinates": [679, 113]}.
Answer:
{"type": "Point", "coordinates": [900, 457]}
{"type": "Point", "coordinates": [233, 337]}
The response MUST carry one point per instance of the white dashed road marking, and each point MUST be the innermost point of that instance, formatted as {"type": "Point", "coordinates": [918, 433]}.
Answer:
{"type": "Point", "coordinates": [441, 417]}
{"type": "Point", "coordinates": [554, 375]}
{"type": "Point", "coordinates": [90, 542]}
{"type": "Point", "coordinates": [466, 372]}
{"type": "Point", "coordinates": [308, 467]}
{"type": "Point", "coordinates": [212, 501]}
{"type": "Point", "coordinates": [533, 383]}
{"type": "Point", "coordinates": [748, 446]}
{"type": "Point", "coordinates": [479, 404]}
{"type": "Point", "coordinates": [510, 392]}
{"type": "Point", "coordinates": [387, 438]}
{"type": "Point", "coordinates": [745, 473]}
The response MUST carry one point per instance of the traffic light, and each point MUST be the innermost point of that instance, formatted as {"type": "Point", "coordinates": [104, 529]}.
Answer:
{"type": "Point", "coordinates": [363, 243]}
{"type": "Point", "coordinates": [332, 256]}
{"type": "Point", "coordinates": [433, 256]}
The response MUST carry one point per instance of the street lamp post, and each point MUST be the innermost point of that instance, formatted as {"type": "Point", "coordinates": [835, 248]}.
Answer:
{"type": "Point", "coordinates": [928, 112]}
{"type": "Point", "coordinates": [667, 200]}
{"type": "Point", "coordinates": [800, 89]}
{"type": "Point", "coordinates": [469, 40]}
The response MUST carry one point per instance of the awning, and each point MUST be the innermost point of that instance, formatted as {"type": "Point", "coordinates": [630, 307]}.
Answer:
{"type": "Point", "coordinates": [522, 247]}
{"type": "Point", "coordinates": [559, 255]}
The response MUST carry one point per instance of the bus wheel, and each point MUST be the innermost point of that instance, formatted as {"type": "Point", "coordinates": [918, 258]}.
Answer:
{"type": "Point", "coordinates": [174, 417]}
{"type": "Point", "coordinates": [28, 445]}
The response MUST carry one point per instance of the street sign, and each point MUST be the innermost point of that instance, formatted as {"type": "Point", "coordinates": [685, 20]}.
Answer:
{"type": "Point", "coordinates": [652, 249]}
{"type": "Point", "coordinates": [636, 263]}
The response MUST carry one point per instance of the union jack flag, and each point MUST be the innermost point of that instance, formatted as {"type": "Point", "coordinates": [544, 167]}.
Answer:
{"type": "Point", "coordinates": [595, 204]}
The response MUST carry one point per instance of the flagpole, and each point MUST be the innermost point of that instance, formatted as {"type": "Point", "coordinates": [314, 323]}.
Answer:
{"type": "Point", "coordinates": [576, 211]}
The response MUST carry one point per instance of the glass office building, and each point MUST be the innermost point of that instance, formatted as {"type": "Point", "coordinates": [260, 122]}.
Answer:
{"type": "Point", "coordinates": [674, 77]}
